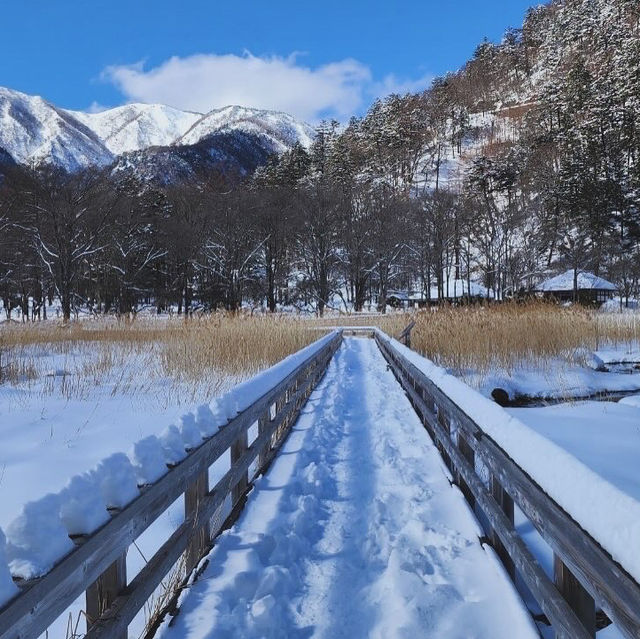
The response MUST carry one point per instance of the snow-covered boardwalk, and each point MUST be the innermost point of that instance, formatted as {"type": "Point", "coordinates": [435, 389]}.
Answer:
{"type": "Point", "coordinates": [355, 531]}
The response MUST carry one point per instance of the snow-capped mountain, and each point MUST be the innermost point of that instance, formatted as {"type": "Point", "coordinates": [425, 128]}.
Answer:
{"type": "Point", "coordinates": [135, 127]}
{"type": "Point", "coordinates": [282, 130]}
{"type": "Point", "coordinates": [33, 131]}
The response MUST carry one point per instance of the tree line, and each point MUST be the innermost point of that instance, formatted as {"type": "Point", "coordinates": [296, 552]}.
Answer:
{"type": "Point", "coordinates": [522, 162]}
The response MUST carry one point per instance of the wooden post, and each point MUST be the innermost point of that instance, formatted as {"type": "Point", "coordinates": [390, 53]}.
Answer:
{"type": "Point", "coordinates": [280, 404]}
{"type": "Point", "coordinates": [428, 400]}
{"type": "Point", "coordinates": [405, 336]}
{"type": "Point", "coordinates": [576, 596]}
{"type": "Point", "coordinates": [444, 421]}
{"type": "Point", "coordinates": [200, 540]}
{"type": "Point", "coordinates": [263, 457]}
{"type": "Point", "coordinates": [103, 591]}
{"type": "Point", "coordinates": [506, 505]}
{"type": "Point", "coordinates": [238, 448]}
{"type": "Point", "coordinates": [469, 454]}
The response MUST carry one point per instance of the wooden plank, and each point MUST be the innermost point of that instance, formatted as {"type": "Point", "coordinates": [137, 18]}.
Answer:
{"type": "Point", "coordinates": [29, 615]}
{"type": "Point", "coordinates": [200, 537]}
{"type": "Point", "coordinates": [613, 589]}
{"type": "Point", "coordinates": [578, 598]}
{"type": "Point", "coordinates": [101, 594]}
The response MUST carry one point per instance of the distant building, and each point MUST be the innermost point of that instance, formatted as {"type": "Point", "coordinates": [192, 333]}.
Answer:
{"type": "Point", "coordinates": [454, 292]}
{"type": "Point", "coordinates": [592, 290]}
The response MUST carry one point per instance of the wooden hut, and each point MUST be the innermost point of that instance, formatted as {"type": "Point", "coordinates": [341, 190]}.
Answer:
{"type": "Point", "coordinates": [591, 290]}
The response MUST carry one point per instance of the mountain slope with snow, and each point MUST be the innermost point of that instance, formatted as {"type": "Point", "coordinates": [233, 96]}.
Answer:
{"type": "Point", "coordinates": [281, 129]}
{"type": "Point", "coordinates": [134, 127]}
{"type": "Point", "coordinates": [33, 131]}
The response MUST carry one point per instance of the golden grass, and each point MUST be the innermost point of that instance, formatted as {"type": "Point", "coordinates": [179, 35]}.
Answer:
{"type": "Point", "coordinates": [197, 357]}
{"type": "Point", "coordinates": [513, 335]}
{"type": "Point", "coordinates": [508, 336]}
{"type": "Point", "coordinates": [194, 357]}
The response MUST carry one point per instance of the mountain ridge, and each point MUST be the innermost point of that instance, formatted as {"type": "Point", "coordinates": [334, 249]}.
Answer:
{"type": "Point", "coordinates": [34, 131]}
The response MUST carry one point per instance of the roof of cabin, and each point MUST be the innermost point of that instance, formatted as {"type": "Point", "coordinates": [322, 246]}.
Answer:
{"type": "Point", "coordinates": [586, 281]}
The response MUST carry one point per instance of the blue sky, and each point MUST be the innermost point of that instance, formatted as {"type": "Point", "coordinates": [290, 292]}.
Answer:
{"type": "Point", "coordinates": [313, 59]}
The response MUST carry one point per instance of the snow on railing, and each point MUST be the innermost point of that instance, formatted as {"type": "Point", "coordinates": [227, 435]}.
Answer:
{"type": "Point", "coordinates": [8, 590]}
{"type": "Point", "coordinates": [107, 508]}
{"type": "Point", "coordinates": [592, 527]}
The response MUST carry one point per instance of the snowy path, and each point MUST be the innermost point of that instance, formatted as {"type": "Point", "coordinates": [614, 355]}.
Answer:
{"type": "Point", "coordinates": [354, 532]}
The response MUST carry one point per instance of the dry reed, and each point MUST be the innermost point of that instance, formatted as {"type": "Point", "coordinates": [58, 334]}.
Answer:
{"type": "Point", "coordinates": [509, 336]}
{"type": "Point", "coordinates": [203, 352]}
{"type": "Point", "coordinates": [195, 358]}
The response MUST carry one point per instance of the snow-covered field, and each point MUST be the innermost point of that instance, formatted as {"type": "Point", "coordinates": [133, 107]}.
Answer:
{"type": "Point", "coordinates": [65, 422]}
{"type": "Point", "coordinates": [358, 460]}
{"type": "Point", "coordinates": [605, 436]}
{"type": "Point", "coordinates": [611, 370]}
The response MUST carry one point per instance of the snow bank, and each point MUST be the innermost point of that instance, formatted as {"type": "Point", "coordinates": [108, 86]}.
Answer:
{"type": "Point", "coordinates": [608, 514]}
{"type": "Point", "coordinates": [117, 478]}
{"type": "Point", "coordinates": [634, 401]}
{"type": "Point", "coordinates": [82, 508]}
{"type": "Point", "coordinates": [37, 539]}
{"type": "Point", "coordinates": [555, 380]}
{"type": "Point", "coordinates": [148, 460]}
{"type": "Point", "coordinates": [8, 589]}
{"type": "Point", "coordinates": [173, 445]}
{"type": "Point", "coordinates": [622, 354]}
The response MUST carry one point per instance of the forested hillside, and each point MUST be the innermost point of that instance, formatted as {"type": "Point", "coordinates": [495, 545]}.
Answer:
{"type": "Point", "coordinates": [522, 163]}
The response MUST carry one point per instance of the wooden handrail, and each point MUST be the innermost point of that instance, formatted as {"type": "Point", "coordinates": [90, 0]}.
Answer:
{"type": "Point", "coordinates": [405, 336]}
{"type": "Point", "coordinates": [43, 600]}
{"type": "Point", "coordinates": [585, 573]}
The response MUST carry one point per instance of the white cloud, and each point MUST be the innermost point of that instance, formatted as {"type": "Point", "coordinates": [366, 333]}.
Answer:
{"type": "Point", "coordinates": [392, 84]}
{"type": "Point", "coordinates": [96, 107]}
{"type": "Point", "coordinates": [208, 81]}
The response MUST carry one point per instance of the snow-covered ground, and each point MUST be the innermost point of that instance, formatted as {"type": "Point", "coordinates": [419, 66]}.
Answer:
{"type": "Point", "coordinates": [354, 532]}
{"type": "Point", "coordinates": [66, 420]}
{"type": "Point", "coordinates": [556, 380]}
{"type": "Point", "coordinates": [61, 424]}
{"type": "Point", "coordinates": [603, 435]}
{"type": "Point", "coordinates": [585, 374]}
{"type": "Point", "coordinates": [53, 435]}
{"type": "Point", "coordinates": [357, 507]}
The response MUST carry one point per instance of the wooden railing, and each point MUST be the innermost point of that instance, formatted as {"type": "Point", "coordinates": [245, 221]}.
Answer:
{"type": "Point", "coordinates": [98, 565]}
{"type": "Point", "coordinates": [585, 575]}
